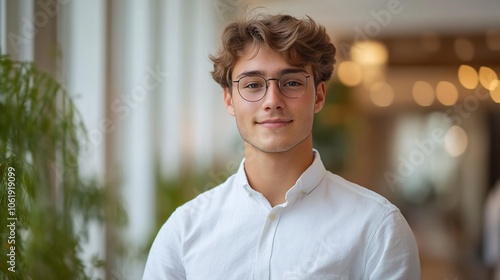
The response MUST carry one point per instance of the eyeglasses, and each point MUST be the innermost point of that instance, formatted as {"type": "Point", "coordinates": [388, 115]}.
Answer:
{"type": "Point", "coordinates": [254, 88]}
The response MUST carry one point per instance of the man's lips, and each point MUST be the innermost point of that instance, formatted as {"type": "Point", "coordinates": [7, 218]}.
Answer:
{"type": "Point", "coordinates": [274, 123]}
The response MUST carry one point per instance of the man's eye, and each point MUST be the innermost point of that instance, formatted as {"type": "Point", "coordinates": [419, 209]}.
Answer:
{"type": "Point", "coordinates": [253, 85]}
{"type": "Point", "coordinates": [292, 84]}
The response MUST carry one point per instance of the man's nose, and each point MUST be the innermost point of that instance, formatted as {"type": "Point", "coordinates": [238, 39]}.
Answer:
{"type": "Point", "coordinates": [274, 97]}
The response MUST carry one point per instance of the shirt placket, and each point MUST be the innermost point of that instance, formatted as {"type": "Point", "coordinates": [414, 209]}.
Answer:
{"type": "Point", "coordinates": [266, 245]}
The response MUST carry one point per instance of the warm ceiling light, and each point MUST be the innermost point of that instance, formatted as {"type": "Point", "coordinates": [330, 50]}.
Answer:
{"type": "Point", "coordinates": [467, 76]}
{"type": "Point", "coordinates": [381, 94]}
{"type": "Point", "coordinates": [446, 93]}
{"type": "Point", "coordinates": [455, 141]}
{"type": "Point", "coordinates": [487, 77]}
{"type": "Point", "coordinates": [495, 92]}
{"type": "Point", "coordinates": [369, 53]}
{"type": "Point", "coordinates": [423, 93]}
{"type": "Point", "coordinates": [349, 73]}
{"type": "Point", "coordinates": [464, 49]}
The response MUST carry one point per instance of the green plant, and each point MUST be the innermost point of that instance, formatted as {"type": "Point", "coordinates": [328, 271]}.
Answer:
{"type": "Point", "coordinates": [43, 197]}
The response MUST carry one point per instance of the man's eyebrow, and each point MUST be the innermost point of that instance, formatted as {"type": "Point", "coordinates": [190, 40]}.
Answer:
{"type": "Point", "coordinates": [260, 73]}
{"type": "Point", "coordinates": [249, 73]}
{"type": "Point", "coordinates": [292, 70]}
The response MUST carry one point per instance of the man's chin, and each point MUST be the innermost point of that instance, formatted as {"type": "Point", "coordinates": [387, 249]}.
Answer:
{"type": "Point", "coordinates": [271, 147]}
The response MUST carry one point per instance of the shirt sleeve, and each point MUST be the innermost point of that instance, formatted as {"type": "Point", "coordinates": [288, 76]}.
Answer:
{"type": "Point", "coordinates": [392, 252]}
{"type": "Point", "coordinates": [165, 257]}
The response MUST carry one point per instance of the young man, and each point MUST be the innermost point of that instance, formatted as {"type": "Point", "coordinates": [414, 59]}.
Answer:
{"type": "Point", "coordinates": [282, 215]}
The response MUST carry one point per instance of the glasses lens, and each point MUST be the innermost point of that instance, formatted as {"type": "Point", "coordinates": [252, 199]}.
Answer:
{"type": "Point", "coordinates": [252, 88]}
{"type": "Point", "coordinates": [293, 85]}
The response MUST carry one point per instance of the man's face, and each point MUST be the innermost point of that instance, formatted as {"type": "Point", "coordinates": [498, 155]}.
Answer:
{"type": "Point", "coordinates": [276, 123]}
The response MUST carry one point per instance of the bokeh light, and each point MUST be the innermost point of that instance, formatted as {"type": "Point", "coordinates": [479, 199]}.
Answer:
{"type": "Point", "coordinates": [446, 93]}
{"type": "Point", "coordinates": [456, 141]}
{"type": "Point", "coordinates": [381, 94]}
{"type": "Point", "coordinates": [468, 76]}
{"type": "Point", "coordinates": [349, 73]}
{"type": "Point", "coordinates": [423, 93]}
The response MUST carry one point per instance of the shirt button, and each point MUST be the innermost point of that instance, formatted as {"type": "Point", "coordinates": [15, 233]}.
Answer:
{"type": "Point", "coordinates": [272, 217]}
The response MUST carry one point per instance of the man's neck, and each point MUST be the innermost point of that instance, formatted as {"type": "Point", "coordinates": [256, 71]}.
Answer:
{"type": "Point", "coordinates": [273, 174]}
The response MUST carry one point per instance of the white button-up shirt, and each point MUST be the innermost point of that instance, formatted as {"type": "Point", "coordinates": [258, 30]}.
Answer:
{"type": "Point", "coordinates": [328, 228]}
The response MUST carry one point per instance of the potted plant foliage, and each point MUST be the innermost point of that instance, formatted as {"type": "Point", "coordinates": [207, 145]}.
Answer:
{"type": "Point", "coordinates": [45, 203]}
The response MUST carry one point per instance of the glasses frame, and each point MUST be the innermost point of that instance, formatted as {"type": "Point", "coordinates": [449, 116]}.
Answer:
{"type": "Point", "coordinates": [267, 85]}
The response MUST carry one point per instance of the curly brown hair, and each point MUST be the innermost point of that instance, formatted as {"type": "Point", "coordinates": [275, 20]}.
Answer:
{"type": "Point", "coordinates": [301, 41]}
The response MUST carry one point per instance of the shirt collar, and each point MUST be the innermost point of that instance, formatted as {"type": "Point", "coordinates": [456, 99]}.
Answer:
{"type": "Point", "coordinates": [241, 177]}
{"type": "Point", "coordinates": [306, 183]}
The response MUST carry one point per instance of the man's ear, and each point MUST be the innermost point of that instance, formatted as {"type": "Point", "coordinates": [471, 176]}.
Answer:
{"type": "Point", "coordinates": [228, 101]}
{"type": "Point", "coordinates": [320, 97]}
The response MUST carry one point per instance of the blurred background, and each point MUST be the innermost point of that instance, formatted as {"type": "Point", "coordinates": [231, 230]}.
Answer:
{"type": "Point", "coordinates": [413, 112]}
